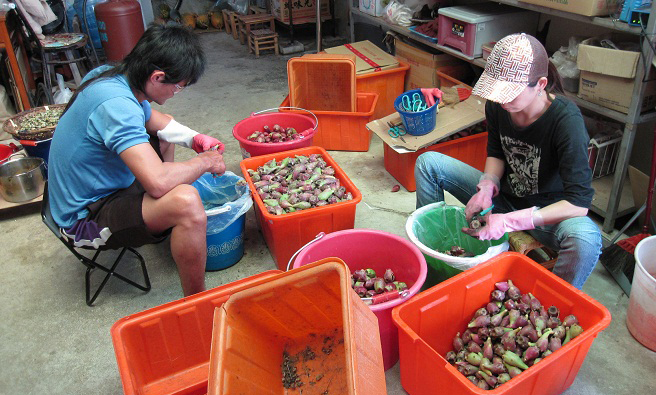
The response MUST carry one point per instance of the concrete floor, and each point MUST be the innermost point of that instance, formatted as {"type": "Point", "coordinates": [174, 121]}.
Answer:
{"type": "Point", "coordinates": [52, 343]}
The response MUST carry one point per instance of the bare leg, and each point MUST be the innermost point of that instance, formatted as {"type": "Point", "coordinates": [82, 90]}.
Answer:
{"type": "Point", "coordinates": [182, 210]}
{"type": "Point", "coordinates": [158, 121]}
{"type": "Point", "coordinates": [167, 150]}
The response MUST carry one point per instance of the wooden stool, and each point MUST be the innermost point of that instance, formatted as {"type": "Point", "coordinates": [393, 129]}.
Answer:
{"type": "Point", "coordinates": [226, 20]}
{"type": "Point", "coordinates": [262, 39]}
{"type": "Point", "coordinates": [253, 22]}
{"type": "Point", "coordinates": [526, 244]}
{"type": "Point", "coordinates": [231, 24]}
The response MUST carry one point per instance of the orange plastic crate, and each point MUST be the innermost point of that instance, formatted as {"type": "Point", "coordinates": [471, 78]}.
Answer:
{"type": "Point", "coordinates": [343, 131]}
{"type": "Point", "coordinates": [286, 233]}
{"type": "Point", "coordinates": [322, 82]}
{"type": "Point", "coordinates": [387, 83]}
{"type": "Point", "coordinates": [471, 150]}
{"type": "Point", "coordinates": [166, 349]}
{"type": "Point", "coordinates": [428, 323]}
{"type": "Point", "coordinates": [313, 306]}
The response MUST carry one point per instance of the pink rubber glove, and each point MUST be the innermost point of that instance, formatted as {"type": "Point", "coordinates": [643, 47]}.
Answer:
{"type": "Point", "coordinates": [498, 224]}
{"type": "Point", "coordinates": [482, 200]}
{"type": "Point", "coordinates": [430, 95]}
{"type": "Point", "coordinates": [203, 142]}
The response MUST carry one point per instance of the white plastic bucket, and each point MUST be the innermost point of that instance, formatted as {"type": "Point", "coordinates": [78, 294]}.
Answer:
{"type": "Point", "coordinates": [641, 315]}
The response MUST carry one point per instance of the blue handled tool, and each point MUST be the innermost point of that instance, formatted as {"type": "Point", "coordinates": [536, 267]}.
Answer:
{"type": "Point", "coordinates": [396, 131]}
{"type": "Point", "coordinates": [487, 210]}
{"type": "Point", "coordinates": [414, 104]}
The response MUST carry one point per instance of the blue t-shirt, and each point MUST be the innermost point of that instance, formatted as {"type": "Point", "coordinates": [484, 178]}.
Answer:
{"type": "Point", "coordinates": [84, 163]}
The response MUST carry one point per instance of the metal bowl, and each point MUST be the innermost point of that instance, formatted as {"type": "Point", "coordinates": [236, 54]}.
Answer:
{"type": "Point", "coordinates": [22, 179]}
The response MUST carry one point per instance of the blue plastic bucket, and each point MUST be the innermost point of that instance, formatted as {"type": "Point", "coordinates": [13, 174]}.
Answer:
{"type": "Point", "coordinates": [420, 122]}
{"type": "Point", "coordinates": [226, 200]}
{"type": "Point", "coordinates": [226, 248]}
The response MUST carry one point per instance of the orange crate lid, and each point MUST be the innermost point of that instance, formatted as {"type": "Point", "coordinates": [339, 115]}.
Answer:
{"type": "Point", "coordinates": [312, 306]}
{"type": "Point", "coordinates": [166, 349]}
{"type": "Point", "coordinates": [322, 82]}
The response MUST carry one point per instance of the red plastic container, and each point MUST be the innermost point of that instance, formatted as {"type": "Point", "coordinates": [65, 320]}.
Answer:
{"type": "Point", "coordinates": [471, 150]}
{"type": "Point", "coordinates": [166, 349]}
{"type": "Point", "coordinates": [353, 246]}
{"type": "Point", "coordinates": [345, 131]}
{"type": "Point", "coordinates": [285, 234]}
{"type": "Point", "coordinates": [389, 84]}
{"type": "Point", "coordinates": [428, 323]}
{"type": "Point", "coordinates": [313, 307]}
{"type": "Point", "coordinates": [302, 123]}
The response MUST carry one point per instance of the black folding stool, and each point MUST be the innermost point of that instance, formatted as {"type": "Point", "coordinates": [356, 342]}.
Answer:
{"type": "Point", "coordinates": [92, 263]}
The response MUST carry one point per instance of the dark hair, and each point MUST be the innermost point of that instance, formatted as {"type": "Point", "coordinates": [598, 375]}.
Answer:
{"type": "Point", "coordinates": [554, 81]}
{"type": "Point", "coordinates": [175, 50]}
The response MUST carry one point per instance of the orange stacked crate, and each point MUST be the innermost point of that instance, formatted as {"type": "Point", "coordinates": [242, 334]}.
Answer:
{"type": "Point", "coordinates": [326, 85]}
{"type": "Point", "coordinates": [429, 322]}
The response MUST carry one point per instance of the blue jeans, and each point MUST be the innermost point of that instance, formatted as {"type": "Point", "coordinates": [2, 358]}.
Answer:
{"type": "Point", "coordinates": [577, 240]}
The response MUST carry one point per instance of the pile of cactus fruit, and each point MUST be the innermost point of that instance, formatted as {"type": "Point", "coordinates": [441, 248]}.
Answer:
{"type": "Point", "coordinates": [297, 183]}
{"type": "Point", "coordinates": [511, 333]}
{"type": "Point", "coordinates": [366, 283]}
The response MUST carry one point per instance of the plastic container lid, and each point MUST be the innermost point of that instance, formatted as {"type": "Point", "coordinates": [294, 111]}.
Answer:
{"type": "Point", "coordinates": [313, 306]}
{"type": "Point", "coordinates": [322, 82]}
{"type": "Point", "coordinates": [478, 13]}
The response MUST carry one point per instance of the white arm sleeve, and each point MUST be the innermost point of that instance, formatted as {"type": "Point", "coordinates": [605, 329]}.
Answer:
{"type": "Point", "coordinates": [176, 133]}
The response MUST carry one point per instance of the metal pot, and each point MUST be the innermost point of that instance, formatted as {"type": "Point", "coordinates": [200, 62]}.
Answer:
{"type": "Point", "coordinates": [22, 179]}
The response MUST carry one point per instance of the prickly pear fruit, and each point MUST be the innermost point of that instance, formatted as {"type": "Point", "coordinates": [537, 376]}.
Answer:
{"type": "Point", "coordinates": [513, 359]}
{"type": "Point", "coordinates": [458, 344]}
{"type": "Point", "coordinates": [474, 358]}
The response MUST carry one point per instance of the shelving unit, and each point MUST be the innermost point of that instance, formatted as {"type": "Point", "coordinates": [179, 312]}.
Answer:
{"type": "Point", "coordinates": [612, 199]}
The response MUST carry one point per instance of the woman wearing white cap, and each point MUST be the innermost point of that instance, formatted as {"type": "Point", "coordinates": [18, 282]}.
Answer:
{"type": "Point", "coordinates": [537, 172]}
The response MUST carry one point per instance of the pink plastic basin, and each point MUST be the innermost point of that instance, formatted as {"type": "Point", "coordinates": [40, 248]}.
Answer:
{"type": "Point", "coordinates": [366, 248]}
{"type": "Point", "coordinates": [246, 127]}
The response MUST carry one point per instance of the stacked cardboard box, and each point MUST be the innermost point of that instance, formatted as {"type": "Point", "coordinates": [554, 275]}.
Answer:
{"type": "Point", "coordinates": [581, 7]}
{"type": "Point", "coordinates": [608, 75]}
{"type": "Point", "coordinates": [423, 66]}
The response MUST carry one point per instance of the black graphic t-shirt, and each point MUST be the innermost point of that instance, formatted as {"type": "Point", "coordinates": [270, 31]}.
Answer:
{"type": "Point", "coordinates": [546, 161]}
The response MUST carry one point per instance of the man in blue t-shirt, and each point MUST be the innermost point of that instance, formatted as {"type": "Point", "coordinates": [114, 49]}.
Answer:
{"type": "Point", "coordinates": [112, 180]}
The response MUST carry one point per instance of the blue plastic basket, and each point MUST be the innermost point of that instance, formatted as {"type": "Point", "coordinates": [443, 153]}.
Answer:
{"type": "Point", "coordinates": [416, 123]}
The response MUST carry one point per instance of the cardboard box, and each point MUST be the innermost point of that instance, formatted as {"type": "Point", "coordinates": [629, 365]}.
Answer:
{"type": "Point", "coordinates": [607, 75]}
{"type": "Point", "coordinates": [613, 62]}
{"type": "Point", "coordinates": [613, 92]}
{"type": "Point", "coordinates": [372, 7]}
{"type": "Point", "coordinates": [581, 7]}
{"type": "Point", "coordinates": [304, 12]}
{"type": "Point", "coordinates": [423, 66]}
{"type": "Point", "coordinates": [368, 57]}
{"type": "Point", "coordinates": [450, 119]}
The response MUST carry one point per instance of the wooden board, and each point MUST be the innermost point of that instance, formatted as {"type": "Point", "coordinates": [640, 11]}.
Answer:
{"type": "Point", "coordinates": [5, 205]}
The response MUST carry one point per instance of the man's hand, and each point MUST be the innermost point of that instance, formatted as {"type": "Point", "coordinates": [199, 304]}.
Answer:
{"type": "Point", "coordinates": [203, 142]}
{"type": "Point", "coordinates": [430, 95]}
{"type": "Point", "coordinates": [213, 161]}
